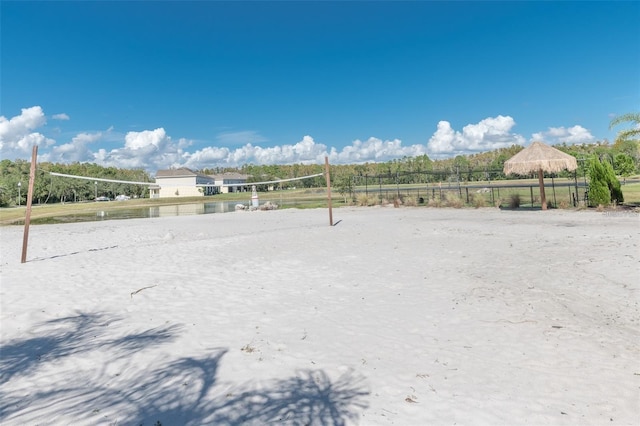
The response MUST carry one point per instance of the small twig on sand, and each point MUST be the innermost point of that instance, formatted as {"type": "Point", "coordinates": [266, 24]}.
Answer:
{"type": "Point", "coordinates": [143, 288]}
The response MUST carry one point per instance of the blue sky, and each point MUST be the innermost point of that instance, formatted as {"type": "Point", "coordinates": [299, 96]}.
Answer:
{"type": "Point", "coordinates": [206, 84]}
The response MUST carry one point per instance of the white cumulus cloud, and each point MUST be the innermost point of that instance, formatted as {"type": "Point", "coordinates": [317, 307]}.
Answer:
{"type": "Point", "coordinates": [149, 149]}
{"type": "Point", "coordinates": [209, 155]}
{"type": "Point", "coordinates": [154, 139]}
{"type": "Point", "coordinates": [153, 150]}
{"type": "Point", "coordinates": [375, 150]}
{"type": "Point", "coordinates": [17, 137]}
{"type": "Point", "coordinates": [75, 151]}
{"type": "Point", "coordinates": [487, 135]}
{"type": "Point", "coordinates": [306, 151]}
{"type": "Point", "coordinates": [569, 135]}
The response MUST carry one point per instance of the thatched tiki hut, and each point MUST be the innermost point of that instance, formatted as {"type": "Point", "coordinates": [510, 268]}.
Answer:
{"type": "Point", "coordinates": [539, 158]}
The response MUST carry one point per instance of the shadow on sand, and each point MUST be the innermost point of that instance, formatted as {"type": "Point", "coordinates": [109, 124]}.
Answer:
{"type": "Point", "coordinates": [180, 392]}
{"type": "Point", "coordinates": [71, 336]}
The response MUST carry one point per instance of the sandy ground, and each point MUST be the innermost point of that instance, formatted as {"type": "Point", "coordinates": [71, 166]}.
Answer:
{"type": "Point", "coordinates": [394, 316]}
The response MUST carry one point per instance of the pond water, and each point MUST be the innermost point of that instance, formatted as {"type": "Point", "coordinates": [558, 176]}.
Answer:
{"type": "Point", "coordinates": [154, 211]}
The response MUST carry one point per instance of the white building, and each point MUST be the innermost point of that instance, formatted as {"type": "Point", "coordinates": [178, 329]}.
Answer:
{"type": "Point", "coordinates": [232, 182]}
{"type": "Point", "coordinates": [184, 182]}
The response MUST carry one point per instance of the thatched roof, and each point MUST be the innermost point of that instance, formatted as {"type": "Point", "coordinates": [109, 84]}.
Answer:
{"type": "Point", "coordinates": [539, 156]}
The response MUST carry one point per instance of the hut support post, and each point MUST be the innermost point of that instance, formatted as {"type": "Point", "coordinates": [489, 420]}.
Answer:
{"type": "Point", "coordinates": [543, 198]}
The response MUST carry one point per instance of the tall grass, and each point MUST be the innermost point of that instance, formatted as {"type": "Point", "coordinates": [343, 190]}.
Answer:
{"type": "Point", "coordinates": [366, 200]}
{"type": "Point", "coordinates": [453, 200]}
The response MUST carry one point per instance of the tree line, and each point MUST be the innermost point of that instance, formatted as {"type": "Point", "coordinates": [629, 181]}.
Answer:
{"type": "Point", "coordinates": [14, 182]}
{"type": "Point", "coordinates": [623, 156]}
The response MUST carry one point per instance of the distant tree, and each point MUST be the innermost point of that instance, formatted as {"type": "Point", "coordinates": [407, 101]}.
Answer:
{"type": "Point", "coordinates": [623, 164]}
{"type": "Point", "coordinates": [627, 134]}
{"type": "Point", "coordinates": [629, 147]}
{"type": "Point", "coordinates": [344, 185]}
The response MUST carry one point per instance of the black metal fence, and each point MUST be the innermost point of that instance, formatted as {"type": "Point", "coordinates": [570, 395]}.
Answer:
{"type": "Point", "coordinates": [472, 188]}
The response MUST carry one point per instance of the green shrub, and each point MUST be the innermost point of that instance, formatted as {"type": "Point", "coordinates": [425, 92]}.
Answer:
{"type": "Point", "coordinates": [613, 184]}
{"type": "Point", "coordinates": [604, 188]}
{"type": "Point", "coordinates": [598, 187]}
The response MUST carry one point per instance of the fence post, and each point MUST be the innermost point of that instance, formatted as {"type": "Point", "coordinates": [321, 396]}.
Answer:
{"type": "Point", "coordinates": [366, 186]}
{"type": "Point", "coordinates": [575, 177]}
{"type": "Point", "coordinates": [531, 190]}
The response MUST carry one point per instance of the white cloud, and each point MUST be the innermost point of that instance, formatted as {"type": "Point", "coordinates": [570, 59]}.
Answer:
{"type": "Point", "coordinates": [155, 149]}
{"type": "Point", "coordinates": [154, 139]}
{"type": "Point", "coordinates": [376, 150]}
{"type": "Point", "coordinates": [487, 135]}
{"type": "Point", "coordinates": [208, 156]}
{"type": "Point", "coordinates": [306, 151]}
{"type": "Point", "coordinates": [569, 135]}
{"type": "Point", "coordinates": [16, 134]}
{"type": "Point", "coordinates": [62, 116]}
{"type": "Point", "coordinates": [29, 119]}
{"type": "Point", "coordinates": [149, 149]}
{"type": "Point", "coordinates": [75, 151]}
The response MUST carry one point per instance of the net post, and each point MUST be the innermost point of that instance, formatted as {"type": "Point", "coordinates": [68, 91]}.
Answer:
{"type": "Point", "coordinates": [27, 219]}
{"type": "Point", "coordinates": [328, 179]}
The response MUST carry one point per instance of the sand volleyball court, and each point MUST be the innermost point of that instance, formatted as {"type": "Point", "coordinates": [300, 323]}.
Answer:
{"type": "Point", "coordinates": [394, 316]}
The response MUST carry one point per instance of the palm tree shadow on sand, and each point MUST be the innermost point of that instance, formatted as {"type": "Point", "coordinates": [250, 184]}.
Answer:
{"type": "Point", "coordinates": [185, 393]}
{"type": "Point", "coordinates": [75, 335]}
{"type": "Point", "coordinates": [309, 398]}
{"type": "Point", "coordinates": [180, 392]}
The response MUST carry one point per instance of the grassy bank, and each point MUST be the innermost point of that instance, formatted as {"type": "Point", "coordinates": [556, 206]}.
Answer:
{"type": "Point", "coordinates": [310, 198]}
{"type": "Point", "coordinates": [298, 198]}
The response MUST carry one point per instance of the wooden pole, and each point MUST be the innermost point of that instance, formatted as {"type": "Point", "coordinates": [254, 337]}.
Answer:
{"type": "Point", "coordinates": [27, 219]}
{"type": "Point", "coordinates": [543, 198]}
{"type": "Point", "coordinates": [328, 178]}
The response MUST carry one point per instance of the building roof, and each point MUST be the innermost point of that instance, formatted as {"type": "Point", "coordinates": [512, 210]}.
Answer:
{"type": "Point", "coordinates": [181, 172]}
